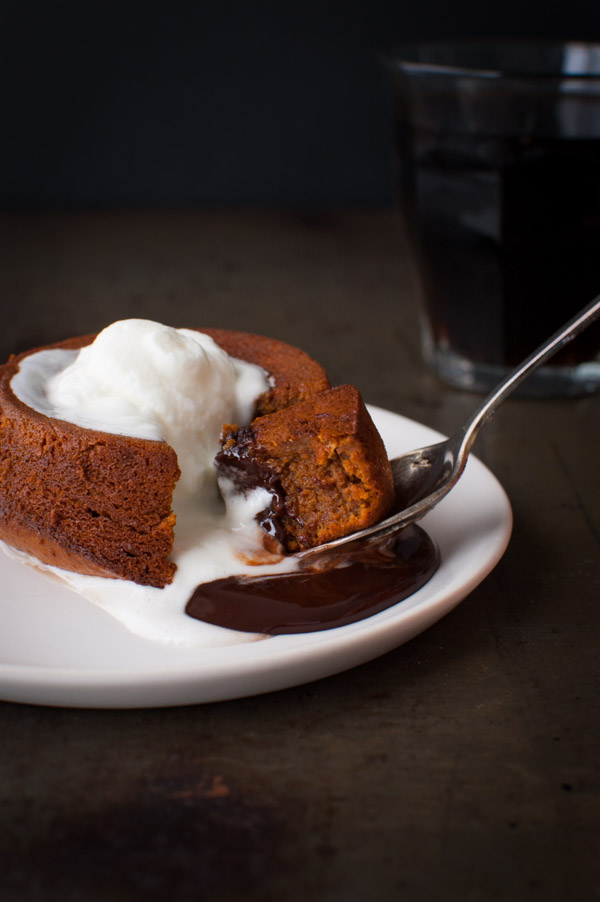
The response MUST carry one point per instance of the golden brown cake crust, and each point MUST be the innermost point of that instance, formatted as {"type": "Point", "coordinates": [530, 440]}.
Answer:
{"type": "Point", "coordinates": [295, 375]}
{"type": "Point", "coordinates": [100, 503]}
{"type": "Point", "coordinates": [81, 499]}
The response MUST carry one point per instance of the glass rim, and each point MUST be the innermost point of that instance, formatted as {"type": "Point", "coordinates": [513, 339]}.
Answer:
{"type": "Point", "coordinates": [580, 60]}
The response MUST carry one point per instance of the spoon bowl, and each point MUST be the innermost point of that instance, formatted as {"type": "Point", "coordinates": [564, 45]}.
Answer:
{"type": "Point", "coordinates": [424, 476]}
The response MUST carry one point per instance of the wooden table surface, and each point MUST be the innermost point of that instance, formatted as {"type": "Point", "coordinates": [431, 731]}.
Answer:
{"type": "Point", "coordinates": [461, 766]}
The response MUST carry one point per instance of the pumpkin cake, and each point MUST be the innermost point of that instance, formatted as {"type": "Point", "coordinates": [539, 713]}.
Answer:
{"type": "Point", "coordinates": [100, 503]}
{"type": "Point", "coordinates": [323, 462]}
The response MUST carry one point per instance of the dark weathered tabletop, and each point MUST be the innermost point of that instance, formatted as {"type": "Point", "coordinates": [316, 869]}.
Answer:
{"type": "Point", "coordinates": [463, 765]}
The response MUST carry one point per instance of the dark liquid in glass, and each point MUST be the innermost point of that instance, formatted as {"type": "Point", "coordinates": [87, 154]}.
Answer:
{"type": "Point", "coordinates": [507, 235]}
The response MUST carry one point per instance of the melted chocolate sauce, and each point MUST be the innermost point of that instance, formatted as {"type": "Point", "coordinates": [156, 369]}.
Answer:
{"type": "Point", "coordinates": [308, 600]}
{"type": "Point", "coordinates": [239, 462]}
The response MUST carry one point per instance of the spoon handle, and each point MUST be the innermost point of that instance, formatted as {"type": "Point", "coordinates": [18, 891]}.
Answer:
{"type": "Point", "coordinates": [546, 350]}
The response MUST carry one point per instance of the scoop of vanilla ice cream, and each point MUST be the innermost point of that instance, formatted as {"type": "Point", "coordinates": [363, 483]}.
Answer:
{"type": "Point", "coordinates": [147, 380]}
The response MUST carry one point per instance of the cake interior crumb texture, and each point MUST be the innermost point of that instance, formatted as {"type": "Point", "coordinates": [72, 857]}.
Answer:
{"type": "Point", "coordinates": [324, 462]}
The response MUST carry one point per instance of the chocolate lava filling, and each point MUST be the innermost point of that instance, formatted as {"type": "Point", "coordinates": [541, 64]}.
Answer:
{"type": "Point", "coordinates": [353, 584]}
{"type": "Point", "coordinates": [237, 461]}
{"type": "Point", "coordinates": [367, 582]}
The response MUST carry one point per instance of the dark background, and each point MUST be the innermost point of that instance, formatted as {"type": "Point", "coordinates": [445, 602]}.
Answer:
{"type": "Point", "coordinates": [233, 103]}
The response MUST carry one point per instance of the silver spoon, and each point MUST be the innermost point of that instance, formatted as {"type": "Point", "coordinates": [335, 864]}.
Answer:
{"type": "Point", "coordinates": [423, 477]}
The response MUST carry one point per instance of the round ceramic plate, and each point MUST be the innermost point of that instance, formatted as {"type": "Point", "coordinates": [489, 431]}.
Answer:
{"type": "Point", "coordinates": [56, 648]}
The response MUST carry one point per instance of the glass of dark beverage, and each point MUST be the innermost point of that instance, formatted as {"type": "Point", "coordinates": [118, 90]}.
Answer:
{"type": "Point", "coordinates": [499, 182]}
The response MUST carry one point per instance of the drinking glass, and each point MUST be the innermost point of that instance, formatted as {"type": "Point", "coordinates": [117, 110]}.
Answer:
{"type": "Point", "coordinates": [498, 149]}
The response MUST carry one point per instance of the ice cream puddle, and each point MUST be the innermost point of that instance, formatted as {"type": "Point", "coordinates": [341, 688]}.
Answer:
{"type": "Point", "coordinates": [142, 379]}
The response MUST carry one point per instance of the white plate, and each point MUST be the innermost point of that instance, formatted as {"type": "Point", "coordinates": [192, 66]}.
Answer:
{"type": "Point", "coordinates": [58, 649]}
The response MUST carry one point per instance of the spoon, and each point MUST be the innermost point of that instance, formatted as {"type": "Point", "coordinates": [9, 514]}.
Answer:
{"type": "Point", "coordinates": [423, 477]}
